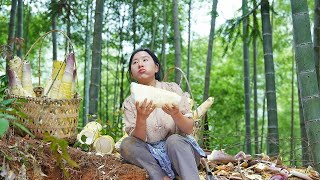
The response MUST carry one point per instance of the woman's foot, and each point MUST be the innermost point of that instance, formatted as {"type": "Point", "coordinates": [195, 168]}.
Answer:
{"type": "Point", "coordinates": [166, 178]}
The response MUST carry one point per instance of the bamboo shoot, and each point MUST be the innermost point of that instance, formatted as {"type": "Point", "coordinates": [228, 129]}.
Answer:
{"type": "Point", "coordinates": [104, 145]}
{"type": "Point", "coordinates": [203, 108]}
{"type": "Point", "coordinates": [67, 78]}
{"type": "Point", "coordinates": [52, 87]}
{"type": "Point", "coordinates": [26, 79]}
{"type": "Point", "coordinates": [160, 97]}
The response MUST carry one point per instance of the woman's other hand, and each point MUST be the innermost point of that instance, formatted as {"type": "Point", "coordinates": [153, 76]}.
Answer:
{"type": "Point", "coordinates": [172, 110]}
{"type": "Point", "coordinates": [145, 108]}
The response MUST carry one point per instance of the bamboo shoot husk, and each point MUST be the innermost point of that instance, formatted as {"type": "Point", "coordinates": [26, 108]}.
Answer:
{"type": "Point", "coordinates": [15, 86]}
{"type": "Point", "coordinates": [74, 79]}
{"type": "Point", "coordinates": [26, 79]}
{"type": "Point", "coordinates": [104, 145]}
{"type": "Point", "coordinates": [15, 64]}
{"type": "Point", "coordinates": [54, 82]}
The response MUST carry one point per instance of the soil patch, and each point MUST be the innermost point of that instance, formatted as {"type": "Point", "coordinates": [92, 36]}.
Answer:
{"type": "Point", "coordinates": [28, 158]}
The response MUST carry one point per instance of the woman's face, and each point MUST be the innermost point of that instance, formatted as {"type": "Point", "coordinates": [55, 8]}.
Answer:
{"type": "Point", "coordinates": [143, 68]}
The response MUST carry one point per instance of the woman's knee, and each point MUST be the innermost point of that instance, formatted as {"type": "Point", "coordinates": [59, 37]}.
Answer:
{"type": "Point", "coordinates": [174, 140]}
{"type": "Point", "coordinates": [127, 146]}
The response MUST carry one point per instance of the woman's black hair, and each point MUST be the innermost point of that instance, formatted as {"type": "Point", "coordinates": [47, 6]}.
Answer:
{"type": "Point", "coordinates": [154, 57]}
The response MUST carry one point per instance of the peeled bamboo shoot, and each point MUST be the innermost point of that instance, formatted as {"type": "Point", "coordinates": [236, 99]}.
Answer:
{"type": "Point", "coordinates": [203, 108]}
{"type": "Point", "coordinates": [95, 126]}
{"type": "Point", "coordinates": [160, 97]}
{"type": "Point", "coordinates": [89, 135]}
{"type": "Point", "coordinates": [104, 145]}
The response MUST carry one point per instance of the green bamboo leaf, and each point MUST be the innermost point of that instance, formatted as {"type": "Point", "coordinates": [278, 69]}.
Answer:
{"type": "Point", "coordinates": [7, 116]}
{"type": "Point", "coordinates": [23, 128]}
{"type": "Point", "coordinates": [4, 125]}
{"type": "Point", "coordinates": [7, 102]}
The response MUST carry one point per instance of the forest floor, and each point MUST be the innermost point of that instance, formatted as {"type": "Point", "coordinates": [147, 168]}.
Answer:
{"type": "Point", "coordinates": [28, 158]}
{"type": "Point", "coordinates": [25, 158]}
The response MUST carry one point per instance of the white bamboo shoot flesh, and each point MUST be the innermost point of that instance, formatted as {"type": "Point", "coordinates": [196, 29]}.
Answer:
{"type": "Point", "coordinates": [103, 145]}
{"type": "Point", "coordinates": [95, 126]}
{"type": "Point", "coordinates": [160, 97]}
{"type": "Point", "coordinates": [203, 108]}
{"type": "Point", "coordinates": [26, 79]}
{"type": "Point", "coordinates": [89, 135]}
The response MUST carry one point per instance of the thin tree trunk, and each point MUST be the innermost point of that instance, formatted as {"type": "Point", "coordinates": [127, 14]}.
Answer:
{"type": "Point", "coordinates": [11, 29]}
{"type": "Point", "coordinates": [307, 76]}
{"type": "Point", "coordinates": [26, 34]}
{"type": "Point", "coordinates": [255, 88]}
{"type": "Point", "coordinates": [263, 119]}
{"type": "Point", "coordinates": [273, 135]}
{"type": "Point", "coordinates": [316, 37]}
{"type": "Point", "coordinates": [96, 60]}
{"type": "Point", "coordinates": [292, 114]}
{"type": "Point", "coordinates": [306, 154]}
{"type": "Point", "coordinates": [155, 18]}
{"type": "Point", "coordinates": [189, 43]}
{"type": "Point", "coordinates": [87, 64]}
{"type": "Point", "coordinates": [116, 81]}
{"type": "Point", "coordinates": [54, 34]}
{"type": "Point", "coordinates": [209, 63]}
{"type": "Point", "coordinates": [123, 62]}
{"type": "Point", "coordinates": [68, 48]}
{"type": "Point", "coordinates": [164, 38]}
{"type": "Point", "coordinates": [209, 52]}
{"type": "Point", "coordinates": [100, 112]}
{"type": "Point", "coordinates": [246, 71]}
{"type": "Point", "coordinates": [134, 23]}
{"type": "Point", "coordinates": [20, 28]}
{"type": "Point", "coordinates": [107, 79]}
{"type": "Point", "coordinates": [177, 41]}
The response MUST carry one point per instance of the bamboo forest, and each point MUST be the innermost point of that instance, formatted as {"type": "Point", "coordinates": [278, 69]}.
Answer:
{"type": "Point", "coordinates": [64, 78]}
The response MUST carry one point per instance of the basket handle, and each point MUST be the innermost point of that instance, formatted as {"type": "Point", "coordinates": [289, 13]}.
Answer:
{"type": "Point", "coordinates": [42, 38]}
{"type": "Point", "coordinates": [185, 77]}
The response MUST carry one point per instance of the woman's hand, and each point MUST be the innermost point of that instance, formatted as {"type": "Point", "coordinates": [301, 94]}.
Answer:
{"type": "Point", "coordinates": [144, 109]}
{"type": "Point", "coordinates": [172, 110]}
{"type": "Point", "coordinates": [184, 124]}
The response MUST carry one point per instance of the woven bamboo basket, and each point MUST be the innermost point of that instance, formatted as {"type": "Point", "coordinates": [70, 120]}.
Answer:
{"type": "Point", "coordinates": [57, 117]}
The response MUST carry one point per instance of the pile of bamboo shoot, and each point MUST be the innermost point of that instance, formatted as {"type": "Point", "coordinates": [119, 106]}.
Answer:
{"type": "Point", "coordinates": [91, 135]}
{"type": "Point", "coordinates": [61, 84]}
{"type": "Point", "coordinates": [63, 78]}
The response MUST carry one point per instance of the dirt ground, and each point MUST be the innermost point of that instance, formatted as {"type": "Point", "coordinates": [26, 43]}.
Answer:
{"type": "Point", "coordinates": [25, 158]}
{"type": "Point", "coordinates": [28, 158]}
